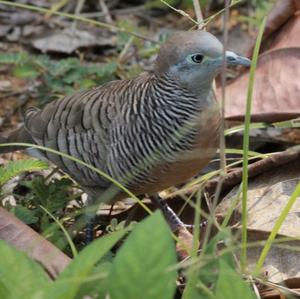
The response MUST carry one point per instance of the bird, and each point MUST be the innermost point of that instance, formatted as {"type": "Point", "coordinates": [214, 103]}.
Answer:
{"type": "Point", "coordinates": [149, 133]}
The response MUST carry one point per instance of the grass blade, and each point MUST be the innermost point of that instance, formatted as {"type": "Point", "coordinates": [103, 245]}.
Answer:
{"type": "Point", "coordinates": [246, 144]}
{"type": "Point", "coordinates": [68, 237]}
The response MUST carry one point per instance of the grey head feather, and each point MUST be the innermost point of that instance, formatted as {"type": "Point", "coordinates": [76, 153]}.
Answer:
{"type": "Point", "coordinates": [193, 59]}
{"type": "Point", "coordinates": [184, 43]}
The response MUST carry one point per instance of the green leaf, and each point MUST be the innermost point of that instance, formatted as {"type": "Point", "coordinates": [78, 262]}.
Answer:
{"type": "Point", "coordinates": [13, 58]}
{"type": "Point", "coordinates": [97, 284]}
{"type": "Point", "coordinates": [61, 67]}
{"type": "Point", "coordinates": [210, 270]}
{"type": "Point", "coordinates": [142, 267]}
{"type": "Point", "coordinates": [203, 280]}
{"type": "Point", "coordinates": [73, 76]}
{"type": "Point", "coordinates": [20, 277]}
{"type": "Point", "coordinates": [27, 70]}
{"type": "Point", "coordinates": [15, 168]}
{"type": "Point", "coordinates": [103, 70]}
{"type": "Point", "coordinates": [25, 215]}
{"type": "Point", "coordinates": [231, 285]}
{"type": "Point", "coordinates": [73, 277]}
{"type": "Point", "coordinates": [4, 291]}
{"type": "Point", "coordinates": [87, 83]}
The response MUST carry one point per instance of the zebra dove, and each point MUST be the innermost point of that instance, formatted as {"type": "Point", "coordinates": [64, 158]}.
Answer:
{"type": "Point", "coordinates": [148, 133]}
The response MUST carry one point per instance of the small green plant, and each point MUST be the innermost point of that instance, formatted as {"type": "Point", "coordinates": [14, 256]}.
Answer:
{"type": "Point", "coordinates": [214, 272]}
{"type": "Point", "coordinates": [115, 225]}
{"type": "Point", "coordinates": [58, 77]}
{"type": "Point", "coordinates": [53, 195]}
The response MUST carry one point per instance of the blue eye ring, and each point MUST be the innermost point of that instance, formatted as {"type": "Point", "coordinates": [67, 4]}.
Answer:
{"type": "Point", "coordinates": [197, 58]}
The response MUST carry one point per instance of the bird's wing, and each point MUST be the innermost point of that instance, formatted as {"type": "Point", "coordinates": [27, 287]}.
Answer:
{"type": "Point", "coordinates": [75, 125]}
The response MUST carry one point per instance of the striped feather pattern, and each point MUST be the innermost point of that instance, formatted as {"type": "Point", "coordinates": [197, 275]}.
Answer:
{"type": "Point", "coordinates": [125, 128]}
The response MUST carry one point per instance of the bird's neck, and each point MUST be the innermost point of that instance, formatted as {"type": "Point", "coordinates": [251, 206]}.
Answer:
{"type": "Point", "coordinates": [170, 93]}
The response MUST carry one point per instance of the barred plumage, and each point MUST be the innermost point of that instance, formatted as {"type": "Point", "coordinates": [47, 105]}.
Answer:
{"type": "Point", "coordinates": [149, 133]}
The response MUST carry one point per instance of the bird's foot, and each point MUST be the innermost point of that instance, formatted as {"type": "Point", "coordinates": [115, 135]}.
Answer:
{"type": "Point", "coordinates": [202, 225]}
{"type": "Point", "coordinates": [170, 216]}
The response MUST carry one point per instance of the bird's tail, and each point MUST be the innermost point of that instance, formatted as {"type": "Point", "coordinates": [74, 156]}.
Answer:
{"type": "Point", "coordinates": [18, 135]}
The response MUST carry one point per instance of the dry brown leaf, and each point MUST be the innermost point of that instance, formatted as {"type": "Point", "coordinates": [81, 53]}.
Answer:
{"type": "Point", "coordinates": [282, 11]}
{"type": "Point", "coordinates": [259, 167]}
{"type": "Point", "coordinates": [69, 40]}
{"type": "Point", "coordinates": [276, 93]}
{"type": "Point", "coordinates": [267, 195]}
{"type": "Point", "coordinates": [21, 236]}
{"type": "Point", "coordinates": [184, 245]}
{"type": "Point", "coordinates": [277, 88]}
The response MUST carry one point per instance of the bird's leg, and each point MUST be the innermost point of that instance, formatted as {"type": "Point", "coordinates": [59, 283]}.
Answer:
{"type": "Point", "coordinates": [89, 236]}
{"type": "Point", "coordinates": [94, 197]}
{"type": "Point", "coordinates": [90, 215]}
{"type": "Point", "coordinates": [171, 217]}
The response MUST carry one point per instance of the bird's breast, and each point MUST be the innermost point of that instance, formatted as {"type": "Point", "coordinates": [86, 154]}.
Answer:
{"type": "Point", "coordinates": [204, 140]}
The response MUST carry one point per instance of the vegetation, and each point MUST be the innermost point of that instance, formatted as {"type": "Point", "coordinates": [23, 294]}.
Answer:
{"type": "Point", "coordinates": [148, 253]}
{"type": "Point", "coordinates": [58, 77]}
{"type": "Point", "coordinates": [135, 261]}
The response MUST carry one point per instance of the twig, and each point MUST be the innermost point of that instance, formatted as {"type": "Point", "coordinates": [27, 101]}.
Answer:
{"type": "Point", "coordinates": [277, 289]}
{"type": "Point", "coordinates": [198, 13]}
{"type": "Point", "coordinates": [136, 10]}
{"type": "Point", "coordinates": [105, 11]}
{"type": "Point", "coordinates": [235, 177]}
{"type": "Point", "coordinates": [125, 49]}
{"type": "Point", "coordinates": [181, 12]}
{"type": "Point", "coordinates": [209, 19]}
{"type": "Point", "coordinates": [78, 8]}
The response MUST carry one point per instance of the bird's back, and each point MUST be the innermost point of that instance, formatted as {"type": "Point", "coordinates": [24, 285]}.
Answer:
{"type": "Point", "coordinates": [79, 125]}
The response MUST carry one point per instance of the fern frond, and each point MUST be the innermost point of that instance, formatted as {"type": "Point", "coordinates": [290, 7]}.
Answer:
{"type": "Point", "coordinates": [15, 168]}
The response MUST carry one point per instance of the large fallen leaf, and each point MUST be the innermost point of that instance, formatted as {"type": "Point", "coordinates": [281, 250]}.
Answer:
{"type": "Point", "coordinates": [21, 236]}
{"type": "Point", "coordinates": [69, 40]}
{"type": "Point", "coordinates": [282, 12]}
{"type": "Point", "coordinates": [268, 193]}
{"type": "Point", "coordinates": [277, 87]}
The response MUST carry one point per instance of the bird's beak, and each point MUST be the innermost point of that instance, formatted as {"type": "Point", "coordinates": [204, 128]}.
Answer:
{"type": "Point", "coordinates": [234, 59]}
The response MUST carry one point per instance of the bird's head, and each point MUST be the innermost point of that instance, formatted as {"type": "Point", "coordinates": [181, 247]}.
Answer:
{"type": "Point", "coordinates": [194, 58]}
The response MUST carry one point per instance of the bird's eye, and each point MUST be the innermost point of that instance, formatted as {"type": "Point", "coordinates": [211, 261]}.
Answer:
{"type": "Point", "coordinates": [197, 58]}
